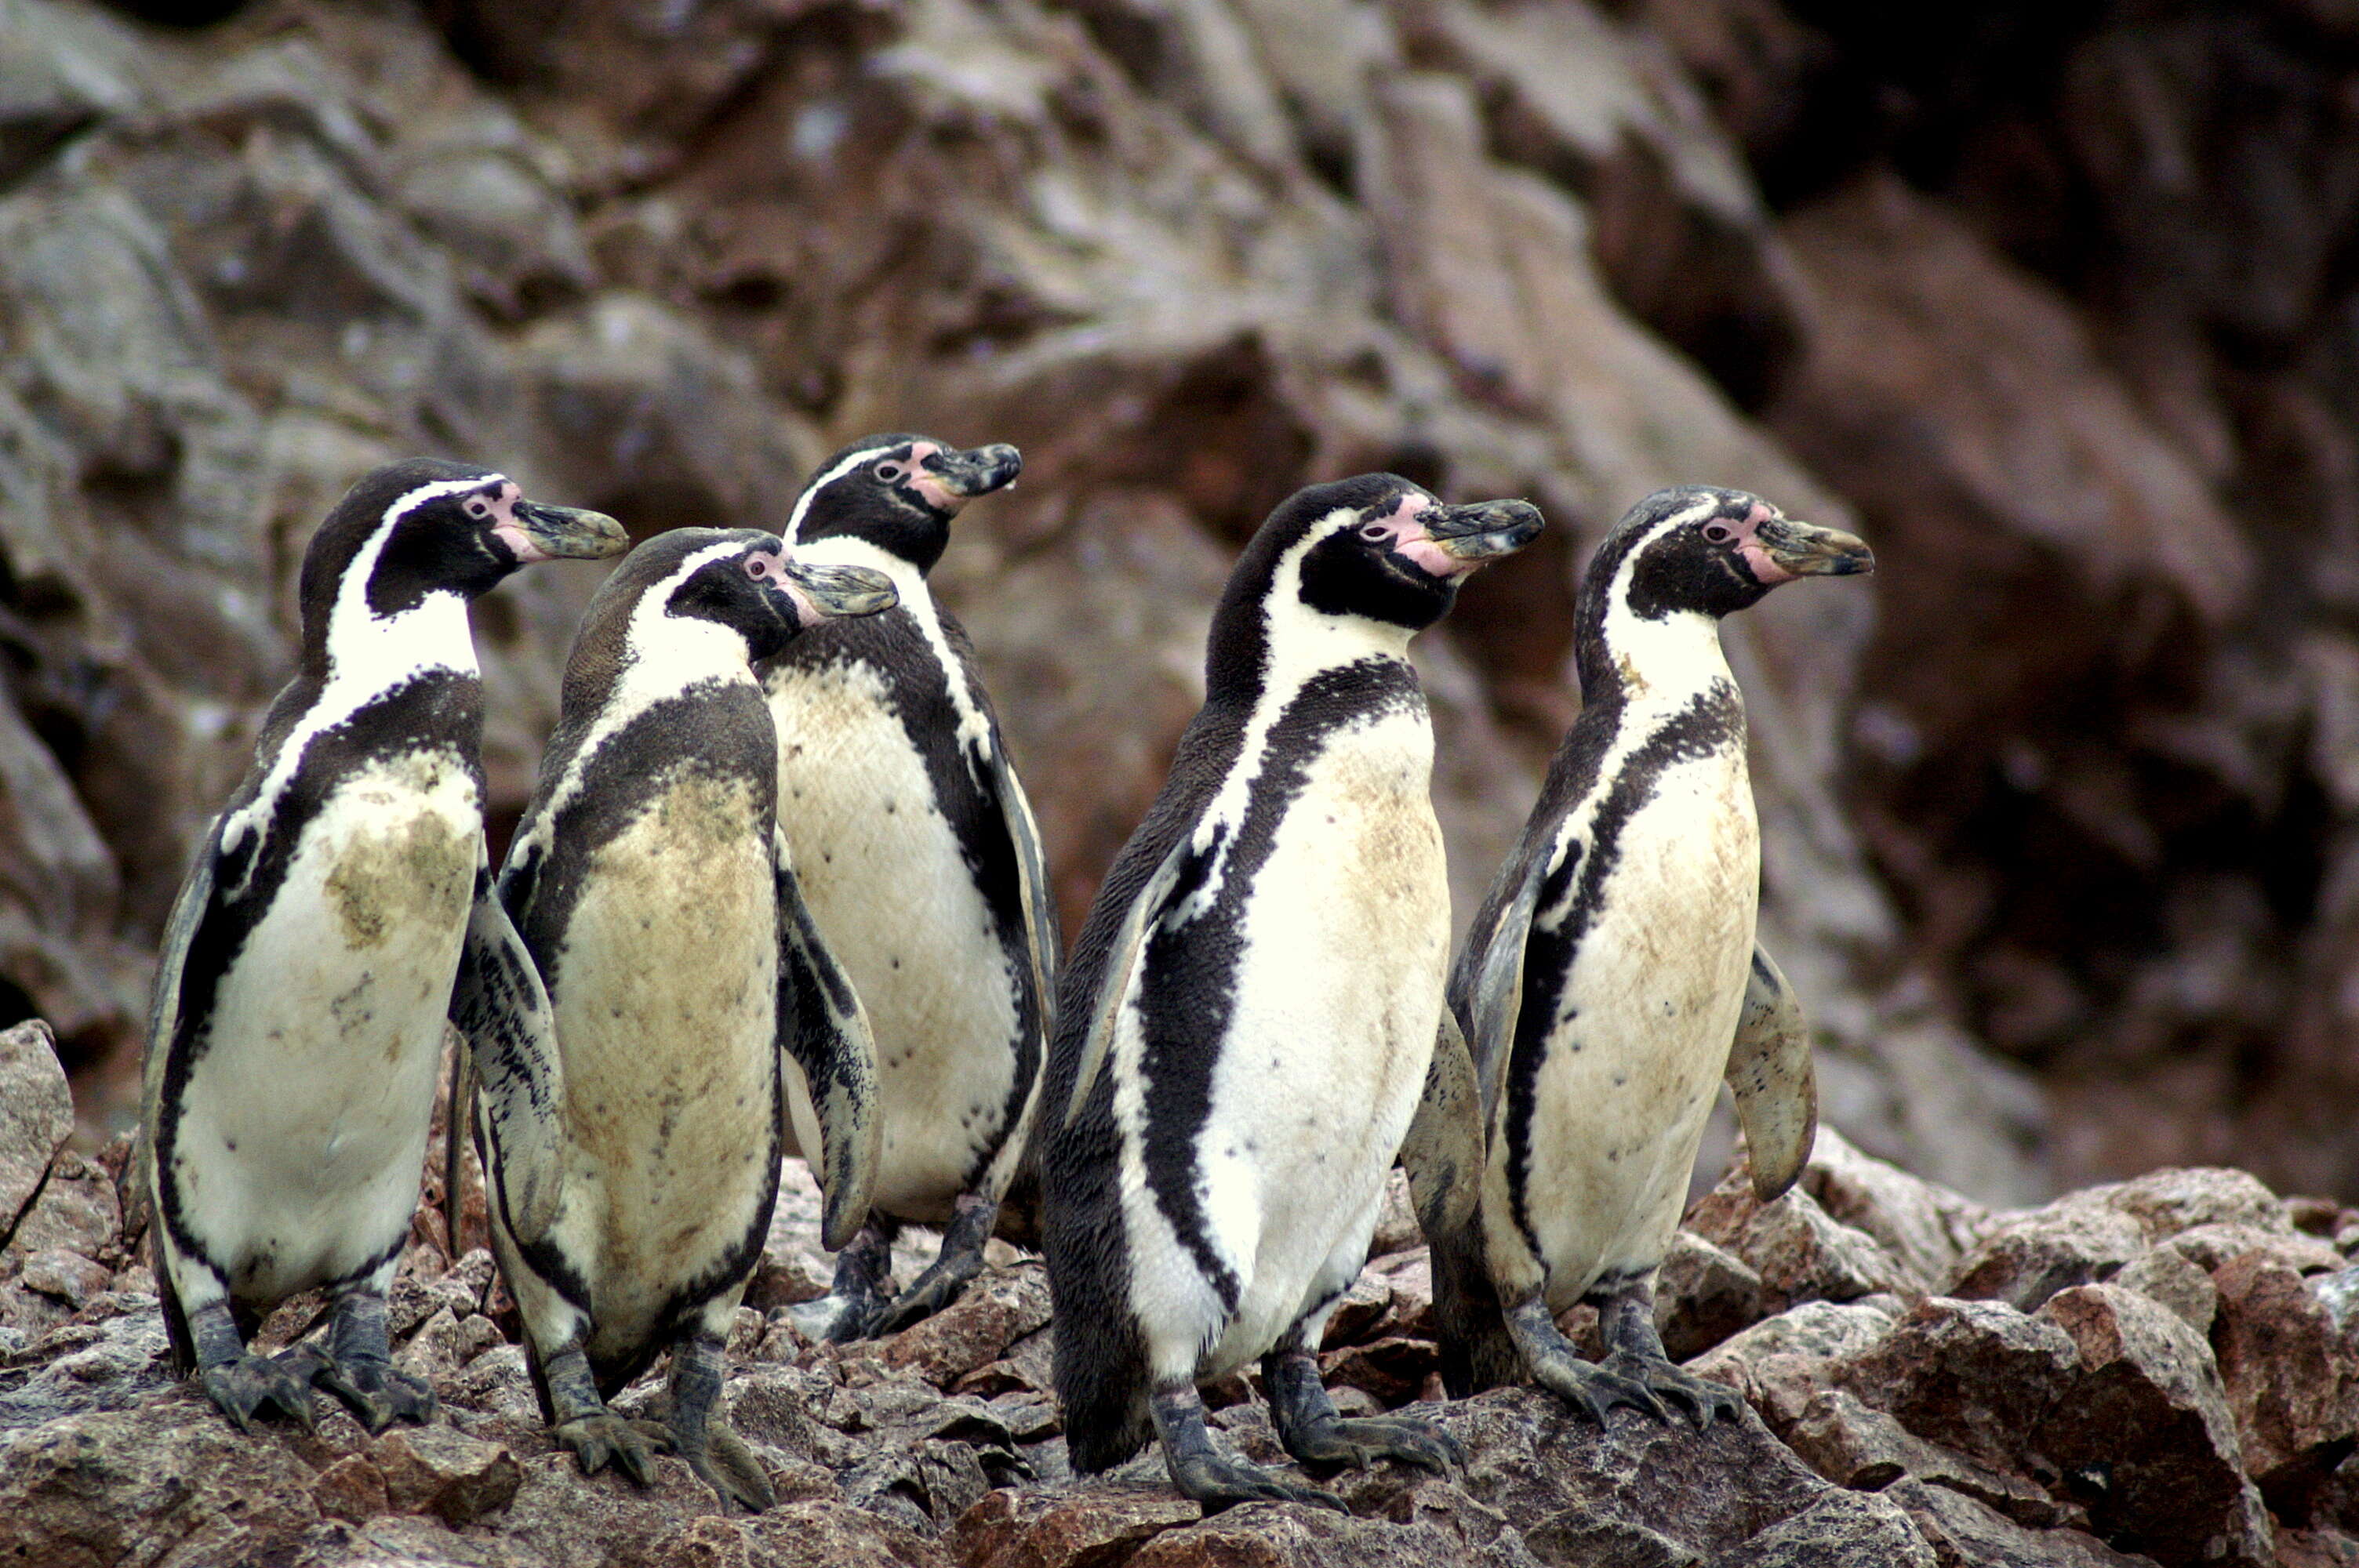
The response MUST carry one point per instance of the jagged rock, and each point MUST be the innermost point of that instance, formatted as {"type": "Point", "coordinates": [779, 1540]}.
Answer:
{"type": "Point", "coordinates": [992, 1314]}
{"type": "Point", "coordinates": [2170, 1276]}
{"type": "Point", "coordinates": [1800, 1252]}
{"type": "Point", "coordinates": [442, 1471]}
{"type": "Point", "coordinates": [1926, 1229]}
{"type": "Point", "coordinates": [351, 1489]}
{"type": "Point", "coordinates": [1972, 1376]}
{"type": "Point", "coordinates": [2142, 1433]}
{"type": "Point", "coordinates": [1866, 1450]}
{"type": "Point", "coordinates": [1703, 1293]}
{"type": "Point", "coordinates": [1095, 1522]}
{"type": "Point", "coordinates": [1843, 1530]}
{"type": "Point", "coordinates": [2291, 1373]}
{"type": "Point", "coordinates": [1964, 1533]}
{"type": "Point", "coordinates": [36, 1117]}
{"type": "Point", "coordinates": [2212, 1246]}
{"type": "Point", "coordinates": [796, 1535]}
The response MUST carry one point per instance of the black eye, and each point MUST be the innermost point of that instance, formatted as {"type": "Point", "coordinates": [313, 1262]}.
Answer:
{"type": "Point", "coordinates": [478, 507]}
{"type": "Point", "coordinates": [889, 471]}
{"type": "Point", "coordinates": [757, 565]}
{"type": "Point", "coordinates": [1374, 532]}
{"type": "Point", "coordinates": [1719, 533]}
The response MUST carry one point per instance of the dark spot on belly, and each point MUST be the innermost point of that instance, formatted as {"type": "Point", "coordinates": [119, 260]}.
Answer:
{"type": "Point", "coordinates": [232, 1145]}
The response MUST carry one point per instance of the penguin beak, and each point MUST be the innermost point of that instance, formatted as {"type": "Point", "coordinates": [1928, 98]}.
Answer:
{"type": "Point", "coordinates": [1788, 547]}
{"type": "Point", "coordinates": [949, 479]}
{"type": "Point", "coordinates": [1481, 530]}
{"type": "Point", "coordinates": [539, 533]}
{"type": "Point", "coordinates": [823, 594]}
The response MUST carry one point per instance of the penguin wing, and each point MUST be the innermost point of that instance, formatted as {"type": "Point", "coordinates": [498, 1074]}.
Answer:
{"type": "Point", "coordinates": [1032, 869]}
{"type": "Point", "coordinates": [824, 1030]}
{"type": "Point", "coordinates": [1486, 989]}
{"type": "Point", "coordinates": [189, 911]}
{"type": "Point", "coordinates": [1146, 911]}
{"type": "Point", "coordinates": [1444, 1150]}
{"type": "Point", "coordinates": [502, 1012]}
{"type": "Point", "coordinates": [1770, 1073]}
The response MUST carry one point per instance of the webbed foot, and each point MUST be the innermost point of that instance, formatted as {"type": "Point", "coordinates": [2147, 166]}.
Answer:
{"type": "Point", "coordinates": [727, 1465]}
{"type": "Point", "coordinates": [953, 1268]}
{"type": "Point", "coordinates": [1217, 1483]}
{"type": "Point", "coordinates": [1703, 1399]}
{"type": "Point", "coordinates": [375, 1391]}
{"type": "Point", "coordinates": [244, 1386]}
{"type": "Point", "coordinates": [1366, 1440]}
{"type": "Point", "coordinates": [597, 1440]}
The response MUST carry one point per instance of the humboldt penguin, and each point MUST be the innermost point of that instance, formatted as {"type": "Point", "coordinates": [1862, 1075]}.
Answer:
{"type": "Point", "coordinates": [1248, 1015]}
{"type": "Point", "coordinates": [1611, 979]}
{"type": "Point", "coordinates": [920, 863]}
{"type": "Point", "coordinates": [297, 1012]}
{"type": "Point", "coordinates": [648, 1001]}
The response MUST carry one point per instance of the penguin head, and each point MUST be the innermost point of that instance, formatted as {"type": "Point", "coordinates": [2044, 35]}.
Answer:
{"type": "Point", "coordinates": [1711, 551]}
{"type": "Point", "coordinates": [1377, 552]}
{"type": "Point", "coordinates": [898, 492]}
{"type": "Point", "coordinates": [425, 526]}
{"type": "Point", "coordinates": [741, 581]}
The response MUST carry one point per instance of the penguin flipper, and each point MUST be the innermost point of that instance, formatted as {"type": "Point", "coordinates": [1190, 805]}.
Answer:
{"type": "Point", "coordinates": [1145, 912]}
{"type": "Point", "coordinates": [503, 1015]}
{"type": "Point", "coordinates": [1445, 1151]}
{"type": "Point", "coordinates": [824, 1030]}
{"type": "Point", "coordinates": [1770, 1075]}
{"type": "Point", "coordinates": [189, 911]}
{"type": "Point", "coordinates": [1486, 987]}
{"type": "Point", "coordinates": [1032, 867]}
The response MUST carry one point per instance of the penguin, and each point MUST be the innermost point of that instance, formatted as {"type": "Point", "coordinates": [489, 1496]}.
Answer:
{"type": "Point", "coordinates": [1612, 979]}
{"type": "Point", "coordinates": [921, 864]}
{"type": "Point", "coordinates": [635, 992]}
{"type": "Point", "coordinates": [297, 1017]}
{"type": "Point", "coordinates": [1247, 1017]}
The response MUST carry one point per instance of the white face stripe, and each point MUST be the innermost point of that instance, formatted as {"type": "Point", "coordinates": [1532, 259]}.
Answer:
{"type": "Point", "coordinates": [368, 655]}
{"type": "Point", "coordinates": [1665, 665]}
{"type": "Point", "coordinates": [1299, 643]}
{"type": "Point", "coordinates": [663, 655]}
{"type": "Point", "coordinates": [793, 530]}
{"type": "Point", "coordinates": [973, 724]}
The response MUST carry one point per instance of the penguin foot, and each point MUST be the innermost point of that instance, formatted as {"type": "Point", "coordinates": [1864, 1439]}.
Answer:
{"type": "Point", "coordinates": [1215, 1483]}
{"type": "Point", "coordinates": [242, 1387]}
{"type": "Point", "coordinates": [953, 1268]}
{"type": "Point", "coordinates": [1703, 1399]}
{"type": "Point", "coordinates": [1592, 1387]}
{"type": "Point", "coordinates": [727, 1465]}
{"type": "Point", "coordinates": [1363, 1442]}
{"type": "Point", "coordinates": [377, 1393]}
{"type": "Point", "coordinates": [630, 1445]}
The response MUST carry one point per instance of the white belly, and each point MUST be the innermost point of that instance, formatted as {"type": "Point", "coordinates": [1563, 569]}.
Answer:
{"type": "Point", "coordinates": [1655, 992]}
{"type": "Point", "coordinates": [303, 1128]}
{"type": "Point", "coordinates": [1337, 998]}
{"type": "Point", "coordinates": [883, 875]}
{"type": "Point", "coordinates": [666, 1013]}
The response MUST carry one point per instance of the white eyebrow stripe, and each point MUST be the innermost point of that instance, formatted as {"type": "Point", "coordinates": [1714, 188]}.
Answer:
{"type": "Point", "coordinates": [793, 529]}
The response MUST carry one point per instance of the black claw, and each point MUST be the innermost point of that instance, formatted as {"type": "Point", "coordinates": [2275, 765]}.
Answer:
{"type": "Point", "coordinates": [597, 1440]}
{"type": "Point", "coordinates": [1703, 1399]}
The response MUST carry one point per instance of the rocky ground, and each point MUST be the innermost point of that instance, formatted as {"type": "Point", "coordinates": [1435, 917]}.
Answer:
{"type": "Point", "coordinates": [2164, 1371]}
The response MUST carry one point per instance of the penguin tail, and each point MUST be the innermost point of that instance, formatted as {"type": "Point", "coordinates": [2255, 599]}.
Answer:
{"type": "Point", "coordinates": [1106, 1415]}
{"type": "Point", "coordinates": [1476, 1351]}
{"type": "Point", "coordinates": [1100, 1356]}
{"type": "Point", "coordinates": [176, 1321]}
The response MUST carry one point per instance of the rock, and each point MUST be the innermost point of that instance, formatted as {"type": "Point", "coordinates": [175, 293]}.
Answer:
{"type": "Point", "coordinates": [1972, 1376]}
{"type": "Point", "coordinates": [1965, 1533]}
{"type": "Point", "coordinates": [2212, 1246]}
{"type": "Point", "coordinates": [1865, 1449]}
{"type": "Point", "coordinates": [2072, 1242]}
{"type": "Point", "coordinates": [993, 1313]}
{"type": "Point", "coordinates": [1843, 1530]}
{"type": "Point", "coordinates": [2169, 1276]}
{"type": "Point", "coordinates": [1800, 1252]}
{"type": "Point", "coordinates": [442, 1471]}
{"type": "Point", "coordinates": [351, 1489]}
{"type": "Point", "coordinates": [796, 1535]}
{"type": "Point", "coordinates": [1095, 1523]}
{"type": "Point", "coordinates": [68, 1276]}
{"type": "Point", "coordinates": [2291, 1372]}
{"type": "Point", "coordinates": [2143, 1435]}
{"type": "Point", "coordinates": [2168, 1202]}
{"type": "Point", "coordinates": [1703, 1293]}
{"type": "Point", "coordinates": [170, 1479]}
{"type": "Point", "coordinates": [1925, 1228]}
{"type": "Point", "coordinates": [36, 1117]}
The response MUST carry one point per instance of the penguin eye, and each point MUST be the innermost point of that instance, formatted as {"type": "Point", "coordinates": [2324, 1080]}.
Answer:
{"type": "Point", "coordinates": [1375, 532]}
{"type": "Point", "coordinates": [477, 507]}
{"type": "Point", "coordinates": [758, 567]}
{"type": "Point", "coordinates": [1719, 533]}
{"type": "Point", "coordinates": [889, 471]}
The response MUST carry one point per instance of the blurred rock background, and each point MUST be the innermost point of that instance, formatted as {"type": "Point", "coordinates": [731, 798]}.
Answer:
{"type": "Point", "coordinates": [2057, 303]}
